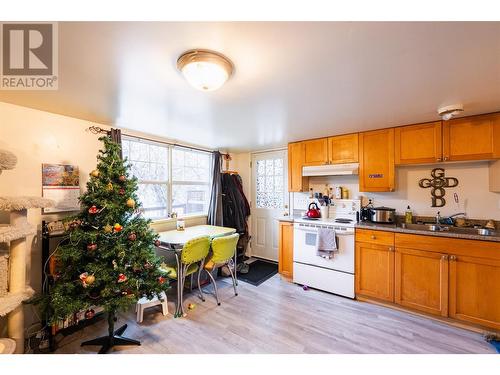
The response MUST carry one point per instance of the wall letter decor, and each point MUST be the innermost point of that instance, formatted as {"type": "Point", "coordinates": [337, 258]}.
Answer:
{"type": "Point", "coordinates": [437, 185]}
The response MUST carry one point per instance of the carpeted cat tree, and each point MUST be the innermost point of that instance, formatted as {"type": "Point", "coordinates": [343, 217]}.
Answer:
{"type": "Point", "coordinates": [13, 287]}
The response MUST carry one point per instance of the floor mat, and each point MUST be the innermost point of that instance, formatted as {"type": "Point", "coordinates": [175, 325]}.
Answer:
{"type": "Point", "coordinates": [260, 271]}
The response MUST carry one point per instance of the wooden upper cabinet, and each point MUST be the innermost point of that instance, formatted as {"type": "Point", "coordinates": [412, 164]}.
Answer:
{"type": "Point", "coordinates": [343, 149]}
{"type": "Point", "coordinates": [285, 264]}
{"type": "Point", "coordinates": [316, 151]}
{"type": "Point", "coordinates": [418, 144]}
{"type": "Point", "coordinates": [421, 280]}
{"type": "Point", "coordinates": [295, 162]}
{"type": "Point", "coordinates": [474, 291]}
{"type": "Point", "coordinates": [472, 138]}
{"type": "Point", "coordinates": [376, 160]}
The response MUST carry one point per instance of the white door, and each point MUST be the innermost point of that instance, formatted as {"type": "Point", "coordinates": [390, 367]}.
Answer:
{"type": "Point", "coordinates": [269, 201]}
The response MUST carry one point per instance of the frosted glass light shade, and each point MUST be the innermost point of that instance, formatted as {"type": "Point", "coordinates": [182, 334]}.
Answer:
{"type": "Point", "coordinates": [205, 70]}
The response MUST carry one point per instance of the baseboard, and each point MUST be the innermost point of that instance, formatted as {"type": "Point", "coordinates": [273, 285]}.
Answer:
{"type": "Point", "coordinates": [454, 323]}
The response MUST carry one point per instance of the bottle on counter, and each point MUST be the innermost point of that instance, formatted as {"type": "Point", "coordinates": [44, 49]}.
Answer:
{"type": "Point", "coordinates": [311, 193]}
{"type": "Point", "coordinates": [331, 196]}
{"type": "Point", "coordinates": [408, 215]}
{"type": "Point", "coordinates": [345, 193]}
{"type": "Point", "coordinates": [338, 192]}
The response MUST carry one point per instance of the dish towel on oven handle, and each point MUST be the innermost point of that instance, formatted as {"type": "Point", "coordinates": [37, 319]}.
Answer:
{"type": "Point", "coordinates": [326, 243]}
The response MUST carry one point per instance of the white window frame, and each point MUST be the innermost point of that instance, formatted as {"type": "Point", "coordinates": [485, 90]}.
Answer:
{"type": "Point", "coordinates": [170, 183]}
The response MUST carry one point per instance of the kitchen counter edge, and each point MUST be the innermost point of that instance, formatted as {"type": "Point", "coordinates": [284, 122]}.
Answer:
{"type": "Point", "coordinates": [396, 229]}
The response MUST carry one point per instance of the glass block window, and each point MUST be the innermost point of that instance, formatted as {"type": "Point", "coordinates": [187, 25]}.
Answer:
{"type": "Point", "coordinates": [269, 191]}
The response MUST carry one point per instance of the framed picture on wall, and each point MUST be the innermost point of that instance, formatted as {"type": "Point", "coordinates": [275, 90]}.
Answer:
{"type": "Point", "coordinates": [61, 182]}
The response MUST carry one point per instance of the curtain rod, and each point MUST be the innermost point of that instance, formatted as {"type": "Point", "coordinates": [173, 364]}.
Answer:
{"type": "Point", "coordinates": [99, 130]}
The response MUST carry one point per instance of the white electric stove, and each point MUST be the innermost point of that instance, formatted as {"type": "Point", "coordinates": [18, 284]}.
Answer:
{"type": "Point", "coordinates": [335, 275]}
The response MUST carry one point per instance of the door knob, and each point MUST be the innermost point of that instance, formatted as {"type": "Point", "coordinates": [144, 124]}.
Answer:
{"type": "Point", "coordinates": [445, 158]}
{"type": "Point", "coordinates": [453, 257]}
{"type": "Point", "coordinates": [391, 248]}
{"type": "Point", "coordinates": [373, 237]}
{"type": "Point", "coordinates": [444, 257]}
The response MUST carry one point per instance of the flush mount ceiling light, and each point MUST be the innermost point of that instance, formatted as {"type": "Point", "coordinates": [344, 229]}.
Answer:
{"type": "Point", "coordinates": [449, 111]}
{"type": "Point", "coordinates": [204, 69]}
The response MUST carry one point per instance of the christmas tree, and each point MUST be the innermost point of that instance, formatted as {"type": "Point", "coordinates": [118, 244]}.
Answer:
{"type": "Point", "coordinates": [109, 257]}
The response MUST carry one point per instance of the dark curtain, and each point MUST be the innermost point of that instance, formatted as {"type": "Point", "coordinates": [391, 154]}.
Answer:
{"type": "Point", "coordinates": [215, 214]}
{"type": "Point", "coordinates": [116, 136]}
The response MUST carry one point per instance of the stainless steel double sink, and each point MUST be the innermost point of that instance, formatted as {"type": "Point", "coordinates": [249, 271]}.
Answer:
{"type": "Point", "coordinates": [450, 229]}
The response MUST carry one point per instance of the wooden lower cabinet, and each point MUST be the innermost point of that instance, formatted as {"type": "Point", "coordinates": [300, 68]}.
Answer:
{"type": "Point", "coordinates": [375, 271]}
{"type": "Point", "coordinates": [445, 277]}
{"type": "Point", "coordinates": [422, 280]}
{"type": "Point", "coordinates": [474, 290]}
{"type": "Point", "coordinates": [285, 263]}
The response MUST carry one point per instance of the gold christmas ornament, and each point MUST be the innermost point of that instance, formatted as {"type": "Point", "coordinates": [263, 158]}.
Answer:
{"type": "Point", "coordinates": [108, 228]}
{"type": "Point", "coordinates": [109, 187]}
{"type": "Point", "coordinates": [90, 279]}
{"type": "Point", "coordinates": [94, 173]}
{"type": "Point", "coordinates": [130, 203]}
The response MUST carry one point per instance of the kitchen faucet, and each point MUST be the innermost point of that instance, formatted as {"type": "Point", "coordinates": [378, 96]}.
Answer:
{"type": "Point", "coordinates": [449, 219]}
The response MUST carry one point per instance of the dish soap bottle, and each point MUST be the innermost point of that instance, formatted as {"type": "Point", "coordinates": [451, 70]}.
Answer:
{"type": "Point", "coordinates": [408, 215]}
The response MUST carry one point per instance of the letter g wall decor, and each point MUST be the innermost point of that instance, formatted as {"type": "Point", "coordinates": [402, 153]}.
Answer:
{"type": "Point", "coordinates": [437, 185]}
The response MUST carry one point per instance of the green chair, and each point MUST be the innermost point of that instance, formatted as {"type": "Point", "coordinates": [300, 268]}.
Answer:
{"type": "Point", "coordinates": [191, 259]}
{"type": "Point", "coordinates": [223, 250]}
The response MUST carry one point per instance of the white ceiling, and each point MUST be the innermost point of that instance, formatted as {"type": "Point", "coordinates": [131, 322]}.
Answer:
{"type": "Point", "coordinates": [293, 80]}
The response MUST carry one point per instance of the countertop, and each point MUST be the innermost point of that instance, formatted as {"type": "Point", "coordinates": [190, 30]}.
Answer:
{"type": "Point", "coordinates": [395, 228]}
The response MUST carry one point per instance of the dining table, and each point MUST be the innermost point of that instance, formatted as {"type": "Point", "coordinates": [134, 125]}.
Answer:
{"type": "Point", "coordinates": [174, 240]}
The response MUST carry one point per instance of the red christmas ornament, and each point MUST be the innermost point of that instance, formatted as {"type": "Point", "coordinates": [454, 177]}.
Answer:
{"type": "Point", "coordinates": [122, 278]}
{"type": "Point", "coordinates": [161, 279]}
{"type": "Point", "coordinates": [121, 191]}
{"type": "Point", "coordinates": [117, 227]}
{"type": "Point", "coordinates": [157, 243]}
{"type": "Point", "coordinates": [93, 210]}
{"type": "Point", "coordinates": [132, 236]}
{"type": "Point", "coordinates": [122, 178]}
{"type": "Point", "coordinates": [89, 314]}
{"type": "Point", "coordinates": [92, 247]}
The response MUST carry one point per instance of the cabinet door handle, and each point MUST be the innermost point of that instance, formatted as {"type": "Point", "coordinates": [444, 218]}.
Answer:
{"type": "Point", "coordinates": [445, 158]}
{"type": "Point", "coordinates": [438, 159]}
{"type": "Point", "coordinates": [373, 237]}
{"type": "Point", "coordinates": [453, 258]}
{"type": "Point", "coordinates": [444, 257]}
{"type": "Point", "coordinates": [391, 248]}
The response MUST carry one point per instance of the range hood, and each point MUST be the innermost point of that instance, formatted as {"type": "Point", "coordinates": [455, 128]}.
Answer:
{"type": "Point", "coordinates": [331, 170]}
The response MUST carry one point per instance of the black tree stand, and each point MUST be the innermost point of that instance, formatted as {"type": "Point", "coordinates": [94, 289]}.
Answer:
{"type": "Point", "coordinates": [113, 338]}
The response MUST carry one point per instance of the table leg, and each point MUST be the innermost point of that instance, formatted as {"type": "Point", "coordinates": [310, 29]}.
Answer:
{"type": "Point", "coordinates": [179, 287]}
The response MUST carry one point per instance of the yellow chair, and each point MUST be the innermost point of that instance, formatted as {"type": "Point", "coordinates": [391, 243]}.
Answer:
{"type": "Point", "coordinates": [192, 258]}
{"type": "Point", "coordinates": [223, 250]}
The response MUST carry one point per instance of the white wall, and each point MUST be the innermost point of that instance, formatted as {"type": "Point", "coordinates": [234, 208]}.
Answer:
{"type": "Point", "coordinates": [38, 137]}
{"type": "Point", "coordinates": [473, 190]}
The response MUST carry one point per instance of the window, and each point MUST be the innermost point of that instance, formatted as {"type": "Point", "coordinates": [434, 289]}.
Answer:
{"type": "Point", "coordinates": [190, 181]}
{"type": "Point", "coordinates": [171, 179]}
{"type": "Point", "coordinates": [269, 183]}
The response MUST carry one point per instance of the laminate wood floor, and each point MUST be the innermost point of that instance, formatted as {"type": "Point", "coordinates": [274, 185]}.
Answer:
{"type": "Point", "coordinates": [280, 317]}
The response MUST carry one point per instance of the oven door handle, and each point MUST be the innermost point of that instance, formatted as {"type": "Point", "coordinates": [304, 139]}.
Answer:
{"type": "Point", "coordinates": [337, 233]}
